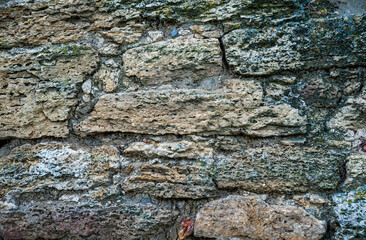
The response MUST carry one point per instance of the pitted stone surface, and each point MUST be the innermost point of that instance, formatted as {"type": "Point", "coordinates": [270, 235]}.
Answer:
{"type": "Point", "coordinates": [231, 111]}
{"type": "Point", "coordinates": [174, 60]}
{"type": "Point", "coordinates": [39, 88]}
{"type": "Point", "coordinates": [247, 217]}
{"type": "Point", "coordinates": [297, 46]}
{"type": "Point", "coordinates": [279, 169]}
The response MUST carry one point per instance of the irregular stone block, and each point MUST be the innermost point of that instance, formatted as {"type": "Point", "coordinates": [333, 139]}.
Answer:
{"type": "Point", "coordinates": [109, 77]}
{"type": "Point", "coordinates": [234, 110]}
{"type": "Point", "coordinates": [42, 22]}
{"type": "Point", "coordinates": [173, 60]}
{"type": "Point", "coordinates": [52, 165]}
{"type": "Point", "coordinates": [352, 115]}
{"type": "Point", "coordinates": [279, 169]}
{"type": "Point", "coordinates": [356, 171]}
{"type": "Point", "coordinates": [130, 33]}
{"type": "Point", "coordinates": [350, 211]}
{"type": "Point", "coordinates": [182, 149]}
{"type": "Point", "coordinates": [205, 11]}
{"type": "Point", "coordinates": [172, 181]}
{"type": "Point", "coordinates": [318, 43]}
{"type": "Point", "coordinates": [54, 191]}
{"type": "Point", "coordinates": [249, 217]}
{"type": "Point", "coordinates": [53, 220]}
{"type": "Point", "coordinates": [38, 89]}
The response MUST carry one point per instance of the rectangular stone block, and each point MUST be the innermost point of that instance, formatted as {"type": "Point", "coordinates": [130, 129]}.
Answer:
{"type": "Point", "coordinates": [234, 110]}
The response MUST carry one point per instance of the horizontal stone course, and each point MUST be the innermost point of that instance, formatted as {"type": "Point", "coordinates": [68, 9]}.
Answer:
{"type": "Point", "coordinates": [234, 110]}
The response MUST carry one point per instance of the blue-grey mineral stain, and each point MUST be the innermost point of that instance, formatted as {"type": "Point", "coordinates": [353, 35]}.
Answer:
{"type": "Point", "coordinates": [174, 33]}
{"type": "Point", "coordinates": [350, 209]}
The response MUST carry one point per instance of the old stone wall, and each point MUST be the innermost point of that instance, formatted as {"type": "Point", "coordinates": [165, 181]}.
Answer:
{"type": "Point", "coordinates": [183, 119]}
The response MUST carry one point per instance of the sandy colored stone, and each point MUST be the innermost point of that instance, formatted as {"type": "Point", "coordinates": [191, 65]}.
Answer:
{"type": "Point", "coordinates": [249, 217]}
{"type": "Point", "coordinates": [130, 33]}
{"type": "Point", "coordinates": [172, 181]}
{"type": "Point", "coordinates": [236, 109]}
{"type": "Point", "coordinates": [182, 149]}
{"type": "Point", "coordinates": [352, 115]}
{"type": "Point", "coordinates": [44, 22]}
{"type": "Point", "coordinates": [109, 77]}
{"type": "Point", "coordinates": [279, 168]}
{"type": "Point", "coordinates": [38, 89]}
{"type": "Point", "coordinates": [174, 60]}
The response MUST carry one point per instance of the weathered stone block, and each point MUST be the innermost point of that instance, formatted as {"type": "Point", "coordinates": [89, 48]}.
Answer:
{"type": "Point", "coordinates": [350, 211]}
{"type": "Point", "coordinates": [234, 110]}
{"type": "Point", "coordinates": [279, 169]}
{"type": "Point", "coordinates": [173, 60]}
{"type": "Point", "coordinates": [173, 180]}
{"type": "Point", "coordinates": [318, 43]}
{"type": "Point", "coordinates": [248, 217]}
{"type": "Point", "coordinates": [39, 89]}
{"type": "Point", "coordinates": [356, 171]}
{"type": "Point", "coordinates": [352, 116]}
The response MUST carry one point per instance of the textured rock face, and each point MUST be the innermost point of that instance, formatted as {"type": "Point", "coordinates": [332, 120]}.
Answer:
{"type": "Point", "coordinates": [350, 211]}
{"type": "Point", "coordinates": [295, 46]}
{"type": "Point", "coordinates": [279, 169]}
{"type": "Point", "coordinates": [174, 60]}
{"type": "Point", "coordinates": [251, 218]}
{"type": "Point", "coordinates": [352, 115]}
{"type": "Point", "coordinates": [132, 119]}
{"type": "Point", "coordinates": [182, 149]}
{"type": "Point", "coordinates": [356, 167]}
{"type": "Point", "coordinates": [235, 110]}
{"type": "Point", "coordinates": [39, 89]}
{"type": "Point", "coordinates": [74, 193]}
{"type": "Point", "coordinates": [173, 180]}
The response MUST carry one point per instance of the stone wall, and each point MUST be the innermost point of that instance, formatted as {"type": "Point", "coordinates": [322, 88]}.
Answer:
{"type": "Point", "coordinates": [182, 119]}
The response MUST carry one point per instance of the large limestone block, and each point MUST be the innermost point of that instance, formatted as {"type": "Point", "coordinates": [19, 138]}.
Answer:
{"type": "Point", "coordinates": [175, 59]}
{"type": "Point", "coordinates": [318, 43]}
{"type": "Point", "coordinates": [54, 190]}
{"type": "Point", "coordinates": [55, 221]}
{"type": "Point", "coordinates": [32, 169]}
{"type": "Point", "coordinates": [236, 109]}
{"type": "Point", "coordinates": [279, 169]}
{"type": "Point", "coordinates": [42, 22]}
{"type": "Point", "coordinates": [204, 11]}
{"type": "Point", "coordinates": [171, 180]}
{"type": "Point", "coordinates": [38, 89]}
{"type": "Point", "coordinates": [249, 217]}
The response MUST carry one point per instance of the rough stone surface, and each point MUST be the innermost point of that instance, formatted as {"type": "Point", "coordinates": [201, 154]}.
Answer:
{"type": "Point", "coordinates": [297, 46]}
{"type": "Point", "coordinates": [247, 217]}
{"type": "Point", "coordinates": [174, 60]}
{"type": "Point", "coordinates": [235, 110]}
{"type": "Point", "coordinates": [352, 116]}
{"type": "Point", "coordinates": [279, 168]}
{"type": "Point", "coordinates": [38, 89]}
{"type": "Point", "coordinates": [121, 119]}
{"type": "Point", "coordinates": [173, 180]}
{"type": "Point", "coordinates": [350, 211]}
{"type": "Point", "coordinates": [182, 149]}
{"type": "Point", "coordinates": [60, 191]}
{"type": "Point", "coordinates": [356, 171]}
